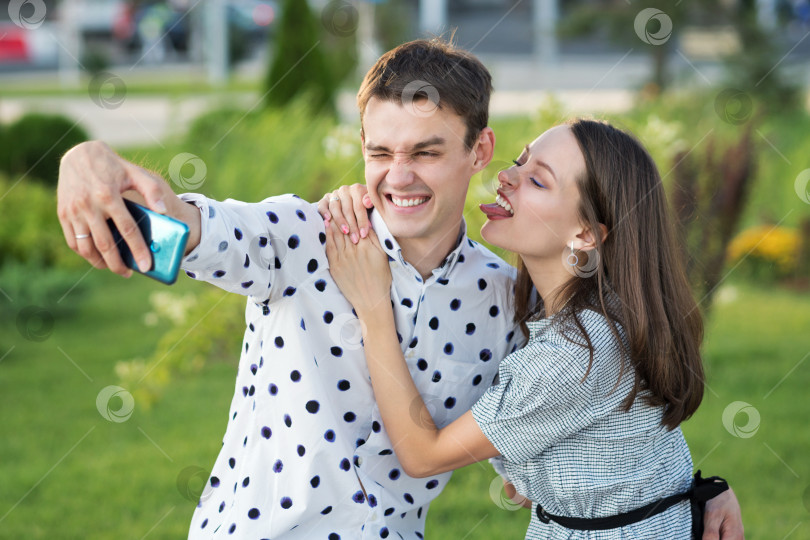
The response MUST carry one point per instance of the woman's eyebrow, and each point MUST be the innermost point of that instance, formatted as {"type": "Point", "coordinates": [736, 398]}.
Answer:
{"type": "Point", "coordinates": [541, 163]}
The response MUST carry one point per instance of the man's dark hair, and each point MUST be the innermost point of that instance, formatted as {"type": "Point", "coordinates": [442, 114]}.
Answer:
{"type": "Point", "coordinates": [432, 69]}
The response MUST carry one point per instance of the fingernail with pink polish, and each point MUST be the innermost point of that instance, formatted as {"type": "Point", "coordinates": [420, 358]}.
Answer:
{"type": "Point", "coordinates": [354, 238]}
{"type": "Point", "coordinates": [344, 229]}
{"type": "Point", "coordinates": [363, 232]}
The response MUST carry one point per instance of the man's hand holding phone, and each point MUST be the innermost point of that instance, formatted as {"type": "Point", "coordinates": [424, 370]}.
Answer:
{"type": "Point", "coordinates": [92, 182]}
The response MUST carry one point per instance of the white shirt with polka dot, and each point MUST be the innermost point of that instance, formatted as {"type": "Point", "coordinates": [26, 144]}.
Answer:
{"type": "Point", "coordinates": [305, 454]}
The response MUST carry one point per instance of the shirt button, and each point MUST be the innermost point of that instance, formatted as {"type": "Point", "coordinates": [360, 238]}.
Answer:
{"type": "Point", "coordinates": [359, 461]}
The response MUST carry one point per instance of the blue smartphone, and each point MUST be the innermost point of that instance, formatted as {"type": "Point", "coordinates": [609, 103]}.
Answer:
{"type": "Point", "coordinates": [166, 238]}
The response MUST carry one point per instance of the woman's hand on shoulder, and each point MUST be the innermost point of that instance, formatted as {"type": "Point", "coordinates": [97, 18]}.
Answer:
{"type": "Point", "coordinates": [360, 270]}
{"type": "Point", "coordinates": [348, 207]}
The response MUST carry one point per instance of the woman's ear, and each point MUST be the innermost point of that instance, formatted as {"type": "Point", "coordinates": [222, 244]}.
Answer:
{"type": "Point", "coordinates": [587, 240]}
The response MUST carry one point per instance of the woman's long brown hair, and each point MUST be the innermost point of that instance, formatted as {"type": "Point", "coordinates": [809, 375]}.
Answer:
{"type": "Point", "coordinates": [637, 279]}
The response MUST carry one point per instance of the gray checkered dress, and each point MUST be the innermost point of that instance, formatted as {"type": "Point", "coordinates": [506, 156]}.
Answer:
{"type": "Point", "coordinates": [569, 446]}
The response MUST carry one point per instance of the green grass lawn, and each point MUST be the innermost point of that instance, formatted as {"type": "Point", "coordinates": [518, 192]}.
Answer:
{"type": "Point", "coordinates": [66, 472]}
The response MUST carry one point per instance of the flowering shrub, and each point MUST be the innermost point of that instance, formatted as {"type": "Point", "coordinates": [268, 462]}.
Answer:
{"type": "Point", "coordinates": [765, 251]}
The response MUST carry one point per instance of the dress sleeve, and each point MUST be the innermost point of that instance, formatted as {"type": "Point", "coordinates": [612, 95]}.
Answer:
{"type": "Point", "coordinates": [262, 250]}
{"type": "Point", "coordinates": [541, 399]}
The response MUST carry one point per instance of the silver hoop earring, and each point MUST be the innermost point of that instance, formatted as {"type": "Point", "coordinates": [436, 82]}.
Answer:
{"type": "Point", "coordinates": [572, 258]}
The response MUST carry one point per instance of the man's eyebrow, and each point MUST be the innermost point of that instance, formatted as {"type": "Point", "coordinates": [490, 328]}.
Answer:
{"type": "Point", "coordinates": [433, 141]}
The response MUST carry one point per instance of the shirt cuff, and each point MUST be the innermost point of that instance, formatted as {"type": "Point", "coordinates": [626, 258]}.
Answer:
{"type": "Point", "coordinates": [196, 254]}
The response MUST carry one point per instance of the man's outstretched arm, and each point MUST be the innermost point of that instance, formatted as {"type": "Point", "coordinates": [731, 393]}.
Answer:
{"type": "Point", "coordinates": [92, 181]}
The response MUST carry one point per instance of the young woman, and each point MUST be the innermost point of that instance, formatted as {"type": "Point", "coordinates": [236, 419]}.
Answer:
{"type": "Point", "coordinates": [586, 415]}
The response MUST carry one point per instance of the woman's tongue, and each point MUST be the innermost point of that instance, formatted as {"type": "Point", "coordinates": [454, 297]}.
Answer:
{"type": "Point", "coordinates": [494, 209]}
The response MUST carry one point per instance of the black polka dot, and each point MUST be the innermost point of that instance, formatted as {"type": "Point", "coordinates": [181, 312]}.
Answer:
{"type": "Point", "coordinates": [329, 435]}
{"type": "Point", "coordinates": [287, 420]}
{"type": "Point", "coordinates": [295, 375]}
{"type": "Point", "coordinates": [384, 532]}
{"type": "Point", "coordinates": [375, 426]}
{"type": "Point", "coordinates": [358, 497]}
{"type": "Point", "coordinates": [493, 265]}
{"type": "Point", "coordinates": [328, 317]}
{"type": "Point", "coordinates": [219, 273]}
{"type": "Point", "coordinates": [434, 323]}
{"type": "Point", "coordinates": [324, 512]}
{"type": "Point", "coordinates": [470, 329]}
{"type": "Point", "coordinates": [272, 217]}
{"type": "Point", "coordinates": [204, 523]}
{"type": "Point", "coordinates": [278, 466]}
{"type": "Point", "coordinates": [273, 389]}
{"type": "Point", "coordinates": [389, 244]}
{"type": "Point", "coordinates": [345, 465]}
{"type": "Point", "coordinates": [482, 284]}
{"type": "Point", "coordinates": [413, 342]}
{"type": "Point", "coordinates": [320, 285]}
{"type": "Point", "coordinates": [485, 355]}
{"type": "Point", "coordinates": [322, 238]}
{"type": "Point", "coordinates": [246, 481]}
{"type": "Point", "coordinates": [432, 484]}
{"type": "Point", "coordinates": [312, 406]}
{"type": "Point", "coordinates": [223, 246]}
{"type": "Point", "coordinates": [388, 511]}
{"type": "Point", "coordinates": [455, 304]}
{"type": "Point", "coordinates": [450, 402]}
{"type": "Point", "coordinates": [408, 498]}
{"type": "Point", "coordinates": [493, 311]}
{"type": "Point", "coordinates": [214, 481]}
{"type": "Point", "coordinates": [350, 417]}
{"type": "Point", "coordinates": [437, 376]}
{"type": "Point", "coordinates": [289, 291]}
{"type": "Point", "coordinates": [233, 528]}
{"type": "Point", "coordinates": [312, 265]}
{"type": "Point", "coordinates": [237, 233]}
{"type": "Point", "coordinates": [442, 281]}
{"type": "Point", "coordinates": [232, 463]}
{"type": "Point", "coordinates": [266, 432]}
{"type": "Point", "coordinates": [336, 351]}
{"type": "Point", "coordinates": [301, 215]}
{"type": "Point", "coordinates": [286, 502]}
{"type": "Point", "coordinates": [279, 341]}
{"type": "Point", "coordinates": [422, 364]}
{"type": "Point", "coordinates": [253, 513]}
{"type": "Point", "coordinates": [301, 450]}
{"type": "Point", "coordinates": [315, 481]}
{"type": "Point", "coordinates": [476, 380]}
{"type": "Point", "coordinates": [448, 348]}
{"type": "Point", "coordinates": [293, 241]}
{"type": "Point", "coordinates": [262, 241]}
{"type": "Point", "coordinates": [406, 302]}
{"type": "Point", "coordinates": [394, 474]}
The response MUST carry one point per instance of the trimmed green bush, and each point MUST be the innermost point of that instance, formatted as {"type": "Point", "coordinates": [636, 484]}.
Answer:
{"type": "Point", "coordinates": [36, 142]}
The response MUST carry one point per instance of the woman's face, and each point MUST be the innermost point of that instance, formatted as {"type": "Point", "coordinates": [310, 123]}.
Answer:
{"type": "Point", "coordinates": [535, 214]}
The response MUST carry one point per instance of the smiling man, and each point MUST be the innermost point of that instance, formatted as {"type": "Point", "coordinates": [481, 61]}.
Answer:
{"type": "Point", "coordinates": [305, 454]}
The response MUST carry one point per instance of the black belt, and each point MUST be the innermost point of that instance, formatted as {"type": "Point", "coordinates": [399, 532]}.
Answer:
{"type": "Point", "coordinates": [701, 491]}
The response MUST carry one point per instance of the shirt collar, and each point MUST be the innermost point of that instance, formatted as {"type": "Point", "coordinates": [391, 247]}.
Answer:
{"type": "Point", "coordinates": [394, 251]}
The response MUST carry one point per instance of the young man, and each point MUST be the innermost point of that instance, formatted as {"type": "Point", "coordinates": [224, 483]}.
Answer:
{"type": "Point", "coordinates": [305, 454]}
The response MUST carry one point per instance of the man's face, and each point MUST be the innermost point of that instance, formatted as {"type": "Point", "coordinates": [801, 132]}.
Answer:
{"type": "Point", "coordinates": [417, 170]}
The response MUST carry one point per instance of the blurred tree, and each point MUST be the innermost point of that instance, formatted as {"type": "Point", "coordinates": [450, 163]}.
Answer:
{"type": "Point", "coordinates": [709, 195]}
{"type": "Point", "coordinates": [299, 65]}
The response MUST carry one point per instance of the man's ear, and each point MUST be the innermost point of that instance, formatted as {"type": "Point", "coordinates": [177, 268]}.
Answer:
{"type": "Point", "coordinates": [483, 149]}
{"type": "Point", "coordinates": [587, 240]}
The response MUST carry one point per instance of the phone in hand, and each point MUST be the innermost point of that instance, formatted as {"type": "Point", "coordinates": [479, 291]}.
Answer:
{"type": "Point", "coordinates": [165, 237]}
